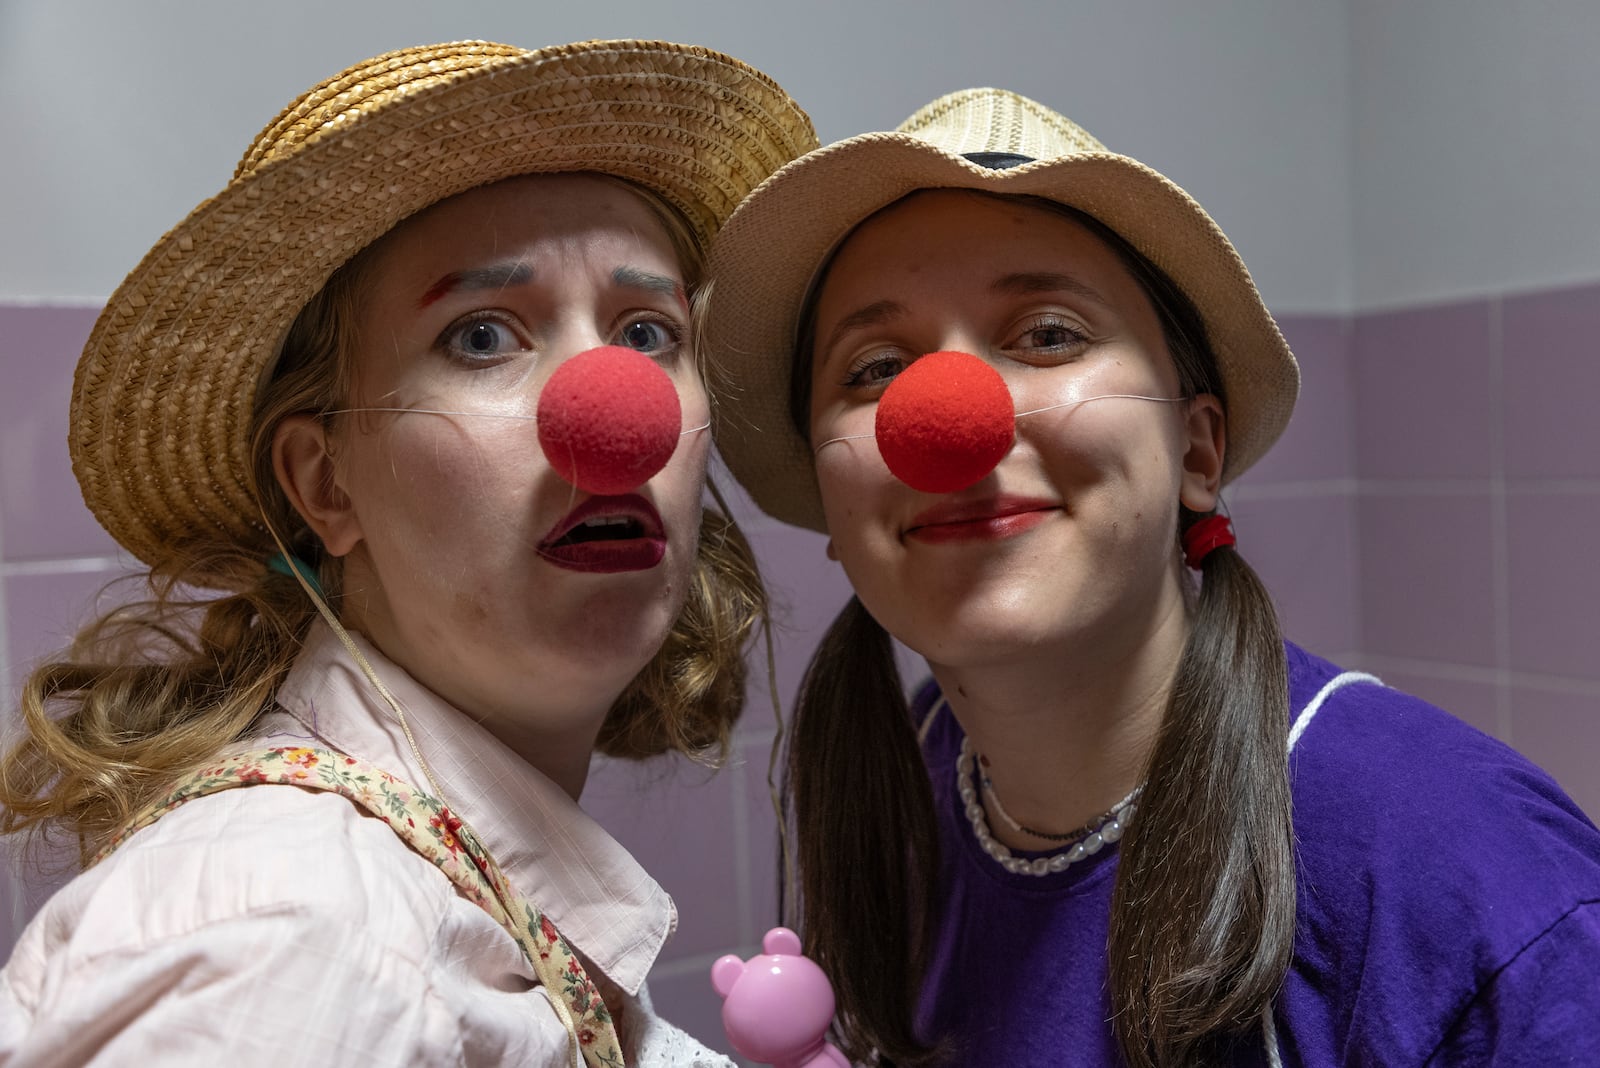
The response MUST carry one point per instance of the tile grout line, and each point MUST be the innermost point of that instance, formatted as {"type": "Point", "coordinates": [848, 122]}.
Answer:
{"type": "Point", "coordinates": [5, 641]}
{"type": "Point", "coordinates": [15, 916]}
{"type": "Point", "coordinates": [66, 565]}
{"type": "Point", "coordinates": [1484, 676]}
{"type": "Point", "coordinates": [741, 844]}
{"type": "Point", "coordinates": [1353, 507]}
{"type": "Point", "coordinates": [1397, 487]}
{"type": "Point", "coordinates": [1499, 523]}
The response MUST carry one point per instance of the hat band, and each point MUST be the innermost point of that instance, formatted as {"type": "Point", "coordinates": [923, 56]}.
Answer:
{"type": "Point", "coordinates": [997, 161]}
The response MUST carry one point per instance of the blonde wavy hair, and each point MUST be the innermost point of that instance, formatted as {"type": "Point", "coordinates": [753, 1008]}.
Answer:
{"type": "Point", "coordinates": [154, 689]}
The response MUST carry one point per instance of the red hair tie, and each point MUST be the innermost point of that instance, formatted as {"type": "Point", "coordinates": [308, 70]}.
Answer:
{"type": "Point", "coordinates": [1212, 532]}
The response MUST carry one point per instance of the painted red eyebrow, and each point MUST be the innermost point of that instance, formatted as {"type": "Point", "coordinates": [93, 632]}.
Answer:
{"type": "Point", "coordinates": [495, 276]}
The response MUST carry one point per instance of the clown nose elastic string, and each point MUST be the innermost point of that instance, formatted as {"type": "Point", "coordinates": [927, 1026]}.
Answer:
{"type": "Point", "coordinates": [947, 420]}
{"type": "Point", "coordinates": [608, 419]}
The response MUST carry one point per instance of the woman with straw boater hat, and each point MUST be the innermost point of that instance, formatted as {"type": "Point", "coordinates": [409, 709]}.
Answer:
{"type": "Point", "coordinates": [408, 426]}
{"type": "Point", "coordinates": [1008, 372]}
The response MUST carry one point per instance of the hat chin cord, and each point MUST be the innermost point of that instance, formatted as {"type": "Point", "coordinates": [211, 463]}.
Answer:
{"type": "Point", "coordinates": [557, 1003]}
{"type": "Point", "coordinates": [361, 661]}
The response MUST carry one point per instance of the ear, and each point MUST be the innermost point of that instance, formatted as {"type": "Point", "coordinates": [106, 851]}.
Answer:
{"type": "Point", "coordinates": [1207, 429]}
{"type": "Point", "coordinates": [304, 465]}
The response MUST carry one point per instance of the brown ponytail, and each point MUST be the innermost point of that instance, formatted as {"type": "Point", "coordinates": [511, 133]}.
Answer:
{"type": "Point", "coordinates": [1202, 918]}
{"type": "Point", "coordinates": [867, 837]}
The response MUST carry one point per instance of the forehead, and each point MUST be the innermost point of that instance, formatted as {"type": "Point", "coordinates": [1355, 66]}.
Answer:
{"type": "Point", "coordinates": [524, 214]}
{"type": "Point", "coordinates": [951, 235]}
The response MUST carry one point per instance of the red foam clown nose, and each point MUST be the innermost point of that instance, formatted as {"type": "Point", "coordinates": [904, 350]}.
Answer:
{"type": "Point", "coordinates": [609, 420]}
{"type": "Point", "coordinates": [945, 422]}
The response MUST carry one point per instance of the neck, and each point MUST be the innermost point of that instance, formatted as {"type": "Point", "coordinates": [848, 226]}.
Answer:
{"type": "Point", "coordinates": [551, 721]}
{"type": "Point", "coordinates": [562, 756]}
{"type": "Point", "coordinates": [1065, 737]}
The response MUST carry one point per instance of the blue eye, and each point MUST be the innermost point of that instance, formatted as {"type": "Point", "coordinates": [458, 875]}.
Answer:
{"type": "Point", "coordinates": [480, 339]}
{"type": "Point", "coordinates": [654, 337]}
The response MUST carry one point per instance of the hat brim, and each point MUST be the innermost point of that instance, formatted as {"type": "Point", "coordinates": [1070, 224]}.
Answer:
{"type": "Point", "coordinates": [765, 259]}
{"type": "Point", "coordinates": [164, 392]}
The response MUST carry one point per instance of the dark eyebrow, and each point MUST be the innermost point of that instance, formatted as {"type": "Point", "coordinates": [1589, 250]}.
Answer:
{"type": "Point", "coordinates": [871, 315]}
{"type": "Point", "coordinates": [1024, 283]}
{"type": "Point", "coordinates": [495, 276]}
{"type": "Point", "coordinates": [635, 278]}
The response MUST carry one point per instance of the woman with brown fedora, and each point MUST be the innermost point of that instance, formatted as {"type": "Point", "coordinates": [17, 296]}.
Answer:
{"type": "Point", "coordinates": [1007, 372]}
{"type": "Point", "coordinates": [408, 426]}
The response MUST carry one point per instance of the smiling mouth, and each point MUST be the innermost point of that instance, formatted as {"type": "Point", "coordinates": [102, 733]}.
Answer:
{"type": "Point", "coordinates": [992, 519]}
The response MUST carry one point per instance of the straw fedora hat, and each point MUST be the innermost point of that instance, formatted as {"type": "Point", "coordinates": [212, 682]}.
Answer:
{"type": "Point", "coordinates": [164, 391]}
{"type": "Point", "coordinates": [767, 259]}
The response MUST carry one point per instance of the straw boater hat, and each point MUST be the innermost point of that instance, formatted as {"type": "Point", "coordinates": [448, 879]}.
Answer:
{"type": "Point", "coordinates": [164, 390]}
{"type": "Point", "coordinates": [767, 258]}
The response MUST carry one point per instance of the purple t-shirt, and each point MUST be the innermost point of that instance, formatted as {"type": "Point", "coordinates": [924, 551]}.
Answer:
{"type": "Point", "coordinates": [1448, 910]}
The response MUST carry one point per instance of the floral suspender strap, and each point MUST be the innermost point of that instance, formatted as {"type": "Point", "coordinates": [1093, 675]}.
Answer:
{"type": "Point", "coordinates": [428, 827]}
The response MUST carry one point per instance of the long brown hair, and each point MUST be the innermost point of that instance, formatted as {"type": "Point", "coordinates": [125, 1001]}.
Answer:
{"type": "Point", "coordinates": [1202, 915]}
{"type": "Point", "coordinates": [155, 688]}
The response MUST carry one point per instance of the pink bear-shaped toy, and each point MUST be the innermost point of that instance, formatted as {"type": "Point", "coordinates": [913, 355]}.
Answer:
{"type": "Point", "coordinates": [776, 1008]}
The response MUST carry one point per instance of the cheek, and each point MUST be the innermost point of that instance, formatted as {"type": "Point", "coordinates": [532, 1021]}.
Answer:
{"type": "Point", "coordinates": [680, 487]}
{"type": "Point", "coordinates": [695, 400]}
{"type": "Point", "coordinates": [852, 482]}
{"type": "Point", "coordinates": [430, 475]}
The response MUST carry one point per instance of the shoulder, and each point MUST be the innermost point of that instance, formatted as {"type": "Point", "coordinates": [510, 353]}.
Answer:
{"type": "Point", "coordinates": [257, 913]}
{"type": "Point", "coordinates": [1367, 760]}
{"type": "Point", "coordinates": [232, 923]}
{"type": "Point", "coordinates": [309, 859]}
{"type": "Point", "coordinates": [1430, 856]}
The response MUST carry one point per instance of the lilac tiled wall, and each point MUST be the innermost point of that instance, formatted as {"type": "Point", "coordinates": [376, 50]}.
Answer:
{"type": "Point", "coordinates": [1477, 492]}
{"type": "Point", "coordinates": [1427, 515]}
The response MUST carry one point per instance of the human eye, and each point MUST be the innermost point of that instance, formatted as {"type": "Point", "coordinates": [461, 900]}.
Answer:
{"type": "Point", "coordinates": [1048, 335]}
{"type": "Point", "coordinates": [874, 369]}
{"type": "Point", "coordinates": [481, 339]}
{"type": "Point", "coordinates": [655, 337]}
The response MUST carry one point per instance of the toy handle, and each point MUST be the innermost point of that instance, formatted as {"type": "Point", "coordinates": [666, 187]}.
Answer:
{"type": "Point", "coordinates": [830, 1057]}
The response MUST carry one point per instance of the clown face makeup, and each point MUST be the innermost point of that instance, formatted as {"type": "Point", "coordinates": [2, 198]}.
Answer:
{"type": "Point", "coordinates": [469, 559]}
{"type": "Point", "coordinates": [1072, 534]}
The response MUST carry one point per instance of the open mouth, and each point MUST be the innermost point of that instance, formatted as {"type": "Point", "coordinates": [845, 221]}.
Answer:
{"type": "Point", "coordinates": [606, 535]}
{"type": "Point", "coordinates": [601, 528]}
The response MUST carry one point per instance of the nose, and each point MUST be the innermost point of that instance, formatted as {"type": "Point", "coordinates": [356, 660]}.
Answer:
{"type": "Point", "coordinates": [945, 422]}
{"type": "Point", "coordinates": [609, 420]}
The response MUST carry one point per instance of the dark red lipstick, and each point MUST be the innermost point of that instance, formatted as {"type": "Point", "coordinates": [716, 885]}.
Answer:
{"type": "Point", "coordinates": [607, 535]}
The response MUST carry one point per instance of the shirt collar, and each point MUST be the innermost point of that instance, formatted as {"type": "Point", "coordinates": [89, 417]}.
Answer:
{"type": "Point", "coordinates": [555, 855]}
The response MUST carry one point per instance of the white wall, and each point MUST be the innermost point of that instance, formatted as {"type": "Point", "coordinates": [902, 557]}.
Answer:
{"type": "Point", "coordinates": [121, 116]}
{"type": "Point", "coordinates": [1477, 147]}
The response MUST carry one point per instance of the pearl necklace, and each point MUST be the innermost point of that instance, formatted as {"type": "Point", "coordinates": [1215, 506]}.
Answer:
{"type": "Point", "coordinates": [1100, 831]}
